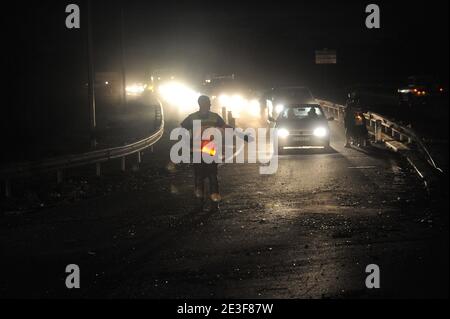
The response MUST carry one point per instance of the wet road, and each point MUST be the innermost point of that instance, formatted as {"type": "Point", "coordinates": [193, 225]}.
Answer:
{"type": "Point", "coordinates": [308, 231]}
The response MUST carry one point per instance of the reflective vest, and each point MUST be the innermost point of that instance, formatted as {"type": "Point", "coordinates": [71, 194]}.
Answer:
{"type": "Point", "coordinates": [207, 145]}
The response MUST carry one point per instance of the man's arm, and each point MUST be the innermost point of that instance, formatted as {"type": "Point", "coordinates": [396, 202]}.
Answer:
{"type": "Point", "coordinates": [221, 124]}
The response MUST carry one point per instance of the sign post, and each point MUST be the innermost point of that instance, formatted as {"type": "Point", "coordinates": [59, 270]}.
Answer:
{"type": "Point", "coordinates": [91, 79]}
{"type": "Point", "coordinates": [325, 57]}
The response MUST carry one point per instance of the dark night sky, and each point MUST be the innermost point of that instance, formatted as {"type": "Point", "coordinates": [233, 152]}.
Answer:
{"type": "Point", "coordinates": [252, 38]}
{"type": "Point", "coordinates": [278, 40]}
{"type": "Point", "coordinates": [265, 42]}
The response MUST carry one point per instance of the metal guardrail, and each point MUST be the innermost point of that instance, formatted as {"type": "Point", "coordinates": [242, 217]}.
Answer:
{"type": "Point", "coordinates": [379, 125]}
{"type": "Point", "coordinates": [75, 160]}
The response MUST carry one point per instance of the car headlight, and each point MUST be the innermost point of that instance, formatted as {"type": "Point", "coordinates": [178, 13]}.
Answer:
{"type": "Point", "coordinates": [224, 100]}
{"type": "Point", "coordinates": [254, 108]}
{"type": "Point", "coordinates": [282, 132]}
{"type": "Point", "coordinates": [279, 108]}
{"type": "Point", "coordinates": [135, 88]}
{"type": "Point", "coordinates": [320, 132]}
{"type": "Point", "coordinates": [179, 95]}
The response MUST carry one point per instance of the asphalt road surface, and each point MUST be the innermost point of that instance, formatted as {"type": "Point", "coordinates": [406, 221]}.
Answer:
{"type": "Point", "coordinates": [308, 231]}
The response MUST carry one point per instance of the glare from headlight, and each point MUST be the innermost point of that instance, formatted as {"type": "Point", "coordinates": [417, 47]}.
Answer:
{"type": "Point", "coordinates": [254, 108]}
{"type": "Point", "coordinates": [279, 108]}
{"type": "Point", "coordinates": [179, 95]}
{"type": "Point", "coordinates": [224, 100]}
{"type": "Point", "coordinates": [282, 132]}
{"type": "Point", "coordinates": [135, 89]}
{"type": "Point", "coordinates": [235, 103]}
{"type": "Point", "coordinates": [320, 132]}
{"type": "Point", "coordinates": [238, 104]}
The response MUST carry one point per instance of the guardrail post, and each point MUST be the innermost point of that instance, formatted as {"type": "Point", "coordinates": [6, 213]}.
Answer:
{"type": "Point", "coordinates": [393, 133]}
{"type": "Point", "coordinates": [229, 117]}
{"type": "Point", "coordinates": [7, 188]}
{"type": "Point", "coordinates": [158, 115]}
{"type": "Point", "coordinates": [98, 169]}
{"type": "Point", "coordinates": [139, 157]}
{"type": "Point", "coordinates": [378, 128]}
{"type": "Point", "coordinates": [224, 113]}
{"type": "Point", "coordinates": [59, 176]}
{"type": "Point", "coordinates": [122, 164]}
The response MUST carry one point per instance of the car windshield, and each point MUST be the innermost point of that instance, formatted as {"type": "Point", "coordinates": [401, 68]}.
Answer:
{"type": "Point", "coordinates": [303, 112]}
{"type": "Point", "coordinates": [295, 94]}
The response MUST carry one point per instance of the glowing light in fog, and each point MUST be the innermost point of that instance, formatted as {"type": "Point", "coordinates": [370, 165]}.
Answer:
{"type": "Point", "coordinates": [233, 103]}
{"type": "Point", "coordinates": [135, 89]}
{"type": "Point", "coordinates": [237, 104]}
{"type": "Point", "coordinates": [224, 100]}
{"type": "Point", "coordinates": [179, 95]}
{"type": "Point", "coordinates": [282, 132]}
{"type": "Point", "coordinates": [320, 132]}
{"type": "Point", "coordinates": [254, 108]}
{"type": "Point", "coordinates": [279, 108]}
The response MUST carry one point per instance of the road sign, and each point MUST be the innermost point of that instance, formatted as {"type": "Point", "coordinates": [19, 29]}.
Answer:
{"type": "Point", "coordinates": [326, 57]}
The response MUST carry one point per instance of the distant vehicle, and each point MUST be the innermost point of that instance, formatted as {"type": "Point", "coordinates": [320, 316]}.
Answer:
{"type": "Point", "coordinates": [233, 94]}
{"type": "Point", "coordinates": [301, 125]}
{"type": "Point", "coordinates": [136, 89]}
{"type": "Point", "coordinates": [420, 90]}
{"type": "Point", "coordinates": [279, 98]}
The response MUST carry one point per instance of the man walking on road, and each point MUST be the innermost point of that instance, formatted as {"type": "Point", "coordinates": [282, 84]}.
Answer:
{"type": "Point", "coordinates": [203, 171]}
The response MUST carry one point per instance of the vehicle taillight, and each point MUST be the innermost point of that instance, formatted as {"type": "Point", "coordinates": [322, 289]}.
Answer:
{"type": "Point", "coordinates": [418, 92]}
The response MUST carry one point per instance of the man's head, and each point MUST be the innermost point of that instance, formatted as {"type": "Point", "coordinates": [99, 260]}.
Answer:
{"type": "Point", "coordinates": [204, 103]}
